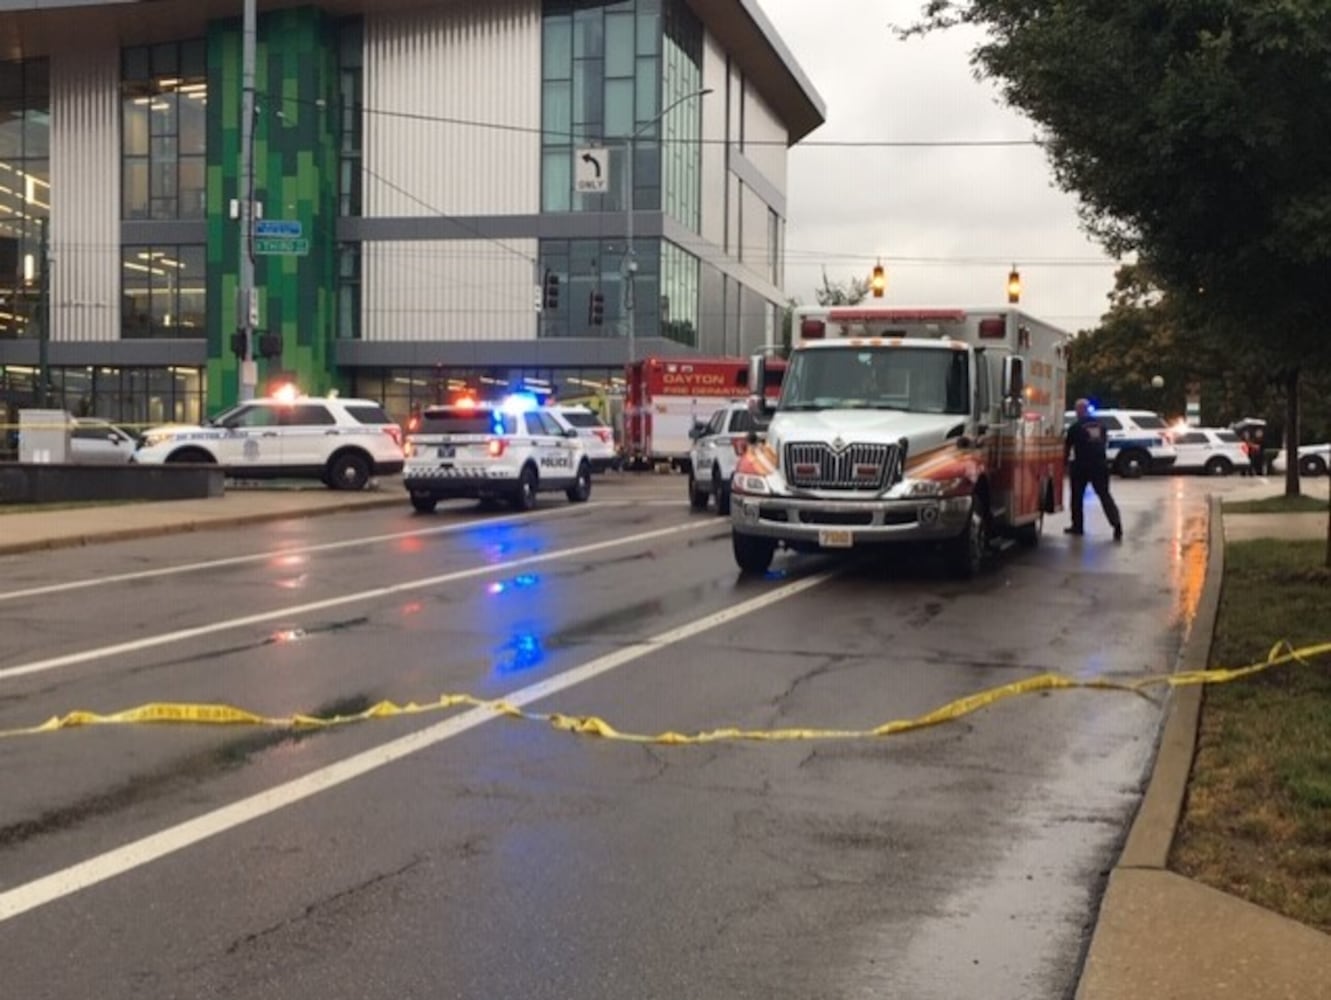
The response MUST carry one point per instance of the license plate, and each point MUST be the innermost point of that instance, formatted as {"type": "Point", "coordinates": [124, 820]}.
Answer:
{"type": "Point", "coordinates": [836, 538]}
{"type": "Point", "coordinates": [447, 451]}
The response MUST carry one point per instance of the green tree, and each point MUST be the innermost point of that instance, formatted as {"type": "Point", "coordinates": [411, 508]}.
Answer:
{"type": "Point", "coordinates": [788, 325]}
{"type": "Point", "coordinates": [834, 293]}
{"type": "Point", "coordinates": [1193, 133]}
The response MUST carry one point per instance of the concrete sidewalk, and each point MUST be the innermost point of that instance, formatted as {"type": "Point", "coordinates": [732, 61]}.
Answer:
{"type": "Point", "coordinates": [56, 528]}
{"type": "Point", "coordinates": [1166, 937]}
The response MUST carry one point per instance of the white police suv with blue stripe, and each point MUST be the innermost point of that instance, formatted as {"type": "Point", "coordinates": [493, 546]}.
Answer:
{"type": "Point", "coordinates": [510, 450]}
{"type": "Point", "coordinates": [1138, 441]}
{"type": "Point", "coordinates": [342, 442]}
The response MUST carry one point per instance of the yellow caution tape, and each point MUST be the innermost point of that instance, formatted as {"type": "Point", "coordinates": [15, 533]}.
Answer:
{"type": "Point", "coordinates": [589, 725]}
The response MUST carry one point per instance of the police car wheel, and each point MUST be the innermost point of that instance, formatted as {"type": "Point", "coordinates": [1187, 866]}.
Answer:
{"type": "Point", "coordinates": [1312, 465]}
{"type": "Point", "coordinates": [721, 491]}
{"type": "Point", "coordinates": [1133, 464]}
{"type": "Point", "coordinates": [1219, 467]}
{"type": "Point", "coordinates": [424, 503]}
{"type": "Point", "coordinates": [697, 500]}
{"type": "Point", "coordinates": [581, 490]}
{"type": "Point", "coordinates": [349, 472]}
{"type": "Point", "coordinates": [525, 497]}
{"type": "Point", "coordinates": [191, 456]}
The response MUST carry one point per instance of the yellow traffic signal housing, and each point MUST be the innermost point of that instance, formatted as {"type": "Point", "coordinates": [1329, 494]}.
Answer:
{"type": "Point", "coordinates": [1014, 285]}
{"type": "Point", "coordinates": [879, 281]}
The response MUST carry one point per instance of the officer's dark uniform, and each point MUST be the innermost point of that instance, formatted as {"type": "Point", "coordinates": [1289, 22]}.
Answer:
{"type": "Point", "coordinates": [1088, 464]}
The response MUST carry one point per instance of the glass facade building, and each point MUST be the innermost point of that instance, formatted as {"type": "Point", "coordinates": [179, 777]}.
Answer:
{"type": "Point", "coordinates": [428, 156]}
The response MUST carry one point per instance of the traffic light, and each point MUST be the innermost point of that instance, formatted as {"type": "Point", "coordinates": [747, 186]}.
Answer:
{"type": "Point", "coordinates": [879, 281]}
{"type": "Point", "coordinates": [270, 345]}
{"type": "Point", "coordinates": [1014, 285]}
{"type": "Point", "coordinates": [551, 290]}
{"type": "Point", "coordinates": [239, 343]}
{"type": "Point", "coordinates": [596, 311]}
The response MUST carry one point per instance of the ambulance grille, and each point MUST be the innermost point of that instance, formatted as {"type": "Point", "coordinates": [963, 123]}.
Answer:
{"type": "Point", "coordinates": [855, 467]}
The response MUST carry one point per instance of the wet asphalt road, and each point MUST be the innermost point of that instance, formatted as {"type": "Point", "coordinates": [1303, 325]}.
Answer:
{"type": "Point", "coordinates": [496, 857]}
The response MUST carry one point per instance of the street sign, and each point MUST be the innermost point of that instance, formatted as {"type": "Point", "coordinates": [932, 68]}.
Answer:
{"type": "Point", "coordinates": [281, 246]}
{"type": "Point", "coordinates": [290, 228]}
{"type": "Point", "coordinates": [591, 170]}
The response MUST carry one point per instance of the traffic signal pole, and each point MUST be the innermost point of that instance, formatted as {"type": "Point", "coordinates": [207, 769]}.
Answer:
{"type": "Point", "coordinates": [245, 295]}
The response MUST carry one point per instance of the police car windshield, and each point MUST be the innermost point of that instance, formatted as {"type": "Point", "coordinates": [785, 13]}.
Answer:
{"type": "Point", "coordinates": [220, 419]}
{"type": "Point", "coordinates": [917, 379]}
{"type": "Point", "coordinates": [1149, 423]}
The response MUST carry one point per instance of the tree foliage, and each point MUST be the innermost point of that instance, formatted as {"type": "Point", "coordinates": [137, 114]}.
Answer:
{"type": "Point", "coordinates": [835, 293]}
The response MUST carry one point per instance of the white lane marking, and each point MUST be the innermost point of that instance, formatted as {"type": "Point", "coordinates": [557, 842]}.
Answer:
{"type": "Point", "coordinates": [87, 873]}
{"type": "Point", "coordinates": [373, 594]}
{"type": "Point", "coordinates": [350, 543]}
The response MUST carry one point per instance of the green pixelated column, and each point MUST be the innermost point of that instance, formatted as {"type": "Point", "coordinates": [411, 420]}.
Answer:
{"type": "Point", "coordinates": [296, 164]}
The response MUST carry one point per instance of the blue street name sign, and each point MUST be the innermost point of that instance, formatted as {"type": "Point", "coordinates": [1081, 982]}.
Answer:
{"type": "Point", "coordinates": [287, 228]}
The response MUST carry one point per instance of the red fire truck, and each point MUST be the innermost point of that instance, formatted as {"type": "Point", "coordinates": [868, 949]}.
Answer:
{"type": "Point", "coordinates": [665, 397]}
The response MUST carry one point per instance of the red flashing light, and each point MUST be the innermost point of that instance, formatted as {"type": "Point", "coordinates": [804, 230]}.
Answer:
{"type": "Point", "coordinates": [496, 447]}
{"type": "Point", "coordinates": [465, 403]}
{"type": "Point", "coordinates": [741, 446]}
{"type": "Point", "coordinates": [813, 329]}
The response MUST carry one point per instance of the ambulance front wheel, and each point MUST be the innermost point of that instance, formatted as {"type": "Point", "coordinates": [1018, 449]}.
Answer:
{"type": "Point", "coordinates": [753, 554]}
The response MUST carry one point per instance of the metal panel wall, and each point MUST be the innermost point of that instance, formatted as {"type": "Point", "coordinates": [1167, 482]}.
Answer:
{"type": "Point", "coordinates": [448, 290]}
{"type": "Point", "coordinates": [471, 62]}
{"type": "Point", "coordinates": [85, 195]}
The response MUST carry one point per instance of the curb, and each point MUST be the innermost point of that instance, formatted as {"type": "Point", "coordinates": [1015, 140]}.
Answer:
{"type": "Point", "coordinates": [196, 524]}
{"type": "Point", "coordinates": [1157, 819]}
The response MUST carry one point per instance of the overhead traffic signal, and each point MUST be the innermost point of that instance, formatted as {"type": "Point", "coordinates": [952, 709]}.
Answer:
{"type": "Point", "coordinates": [270, 345]}
{"type": "Point", "coordinates": [879, 281]}
{"type": "Point", "coordinates": [240, 344]}
{"type": "Point", "coordinates": [551, 290]}
{"type": "Point", "coordinates": [1014, 285]}
{"type": "Point", "coordinates": [596, 309]}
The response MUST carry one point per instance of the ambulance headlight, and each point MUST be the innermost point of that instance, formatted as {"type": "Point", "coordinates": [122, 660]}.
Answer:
{"type": "Point", "coordinates": [935, 488]}
{"type": "Point", "coordinates": [745, 483]}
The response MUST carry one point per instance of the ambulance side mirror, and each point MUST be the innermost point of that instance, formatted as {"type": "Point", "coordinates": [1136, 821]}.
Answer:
{"type": "Point", "coordinates": [758, 404]}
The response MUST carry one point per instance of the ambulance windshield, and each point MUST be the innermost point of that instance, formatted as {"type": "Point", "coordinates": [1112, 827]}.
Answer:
{"type": "Point", "coordinates": [914, 379]}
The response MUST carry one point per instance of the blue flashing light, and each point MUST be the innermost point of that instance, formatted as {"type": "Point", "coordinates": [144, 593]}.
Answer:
{"type": "Point", "coordinates": [521, 402]}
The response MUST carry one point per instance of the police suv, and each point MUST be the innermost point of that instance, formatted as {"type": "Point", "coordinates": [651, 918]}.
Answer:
{"type": "Point", "coordinates": [717, 447]}
{"type": "Point", "coordinates": [342, 442]}
{"type": "Point", "coordinates": [1137, 441]}
{"type": "Point", "coordinates": [510, 450]}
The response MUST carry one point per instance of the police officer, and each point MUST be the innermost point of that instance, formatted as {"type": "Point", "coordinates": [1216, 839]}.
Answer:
{"type": "Point", "coordinates": [1084, 451]}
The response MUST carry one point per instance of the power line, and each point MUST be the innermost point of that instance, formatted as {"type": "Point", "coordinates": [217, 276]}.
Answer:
{"type": "Point", "coordinates": [575, 136]}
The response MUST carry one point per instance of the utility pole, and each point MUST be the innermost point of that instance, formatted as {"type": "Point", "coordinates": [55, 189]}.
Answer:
{"type": "Point", "coordinates": [246, 301]}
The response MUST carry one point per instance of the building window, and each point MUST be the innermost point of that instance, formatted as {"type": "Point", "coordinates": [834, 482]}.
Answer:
{"type": "Point", "coordinates": [600, 83]}
{"type": "Point", "coordinates": [25, 188]}
{"type": "Point", "coordinates": [588, 266]}
{"type": "Point", "coordinates": [680, 280]}
{"type": "Point", "coordinates": [136, 397]}
{"type": "Point", "coordinates": [351, 36]}
{"type": "Point", "coordinates": [682, 127]}
{"type": "Point", "coordinates": [163, 291]}
{"type": "Point", "coordinates": [348, 291]}
{"type": "Point", "coordinates": [164, 130]}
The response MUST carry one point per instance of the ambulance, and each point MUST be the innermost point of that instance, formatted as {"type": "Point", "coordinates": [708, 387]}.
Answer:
{"type": "Point", "coordinates": [898, 425]}
{"type": "Point", "coordinates": [666, 397]}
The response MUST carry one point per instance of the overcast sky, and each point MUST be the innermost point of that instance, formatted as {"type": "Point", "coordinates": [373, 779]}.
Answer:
{"type": "Point", "coordinates": [948, 222]}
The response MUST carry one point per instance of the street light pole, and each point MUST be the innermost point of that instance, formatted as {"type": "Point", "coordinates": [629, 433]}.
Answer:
{"type": "Point", "coordinates": [630, 254]}
{"type": "Point", "coordinates": [249, 375]}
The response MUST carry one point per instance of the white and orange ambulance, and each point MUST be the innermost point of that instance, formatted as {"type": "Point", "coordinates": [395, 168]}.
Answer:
{"type": "Point", "coordinates": [899, 425]}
